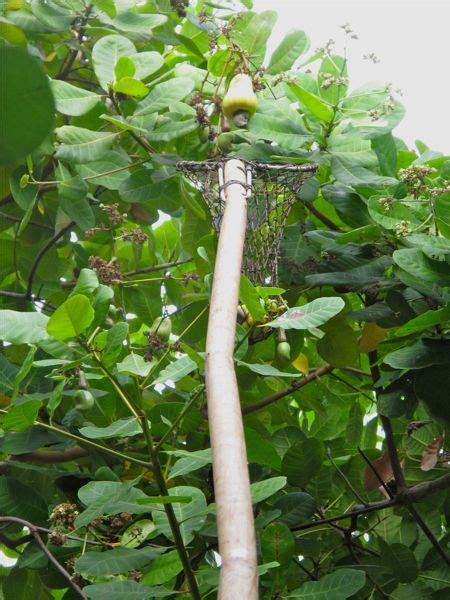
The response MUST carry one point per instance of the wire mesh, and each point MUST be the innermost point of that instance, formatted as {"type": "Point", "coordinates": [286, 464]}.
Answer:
{"type": "Point", "coordinates": [272, 190]}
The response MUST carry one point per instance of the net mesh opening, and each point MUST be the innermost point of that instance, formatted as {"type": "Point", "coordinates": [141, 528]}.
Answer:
{"type": "Point", "coordinates": [272, 190]}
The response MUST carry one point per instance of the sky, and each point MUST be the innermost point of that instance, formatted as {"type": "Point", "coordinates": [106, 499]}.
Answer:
{"type": "Point", "coordinates": [411, 41]}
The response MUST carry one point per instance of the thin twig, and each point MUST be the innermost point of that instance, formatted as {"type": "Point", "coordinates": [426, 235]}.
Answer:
{"type": "Point", "coordinates": [39, 541]}
{"type": "Point", "coordinates": [345, 478]}
{"type": "Point", "coordinates": [296, 385]}
{"type": "Point", "coordinates": [375, 472]}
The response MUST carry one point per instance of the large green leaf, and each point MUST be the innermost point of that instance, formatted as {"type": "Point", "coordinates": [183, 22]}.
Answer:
{"type": "Point", "coordinates": [22, 327]}
{"type": "Point", "coordinates": [72, 100]}
{"type": "Point", "coordinates": [302, 462]}
{"type": "Point", "coordinates": [20, 416]}
{"type": "Point", "coordinates": [117, 590]}
{"type": "Point", "coordinates": [71, 318]}
{"type": "Point", "coordinates": [164, 95]}
{"type": "Point", "coordinates": [26, 104]}
{"type": "Point", "coordinates": [253, 37]}
{"type": "Point", "coordinates": [121, 428]}
{"type": "Point", "coordinates": [318, 107]}
{"type": "Point", "coordinates": [294, 44]}
{"type": "Point", "coordinates": [277, 543]}
{"type": "Point", "coordinates": [339, 585]}
{"type": "Point", "coordinates": [105, 54]}
{"type": "Point", "coordinates": [296, 508]}
{"type": "Point", "coordinates": [83, 145]}
{"type": "Point", "coordinates": [309, 315]}
{"type": "Point", "coordinates": [190, 515]}
{"type": "Point", "coordinates": [118, 560]}
{"type": "Point", "coordinates": [22, 501]}
{"type": "Point", "coordinates": [348, 173]}
{"type": "Point", "coordinates": [164, 568]}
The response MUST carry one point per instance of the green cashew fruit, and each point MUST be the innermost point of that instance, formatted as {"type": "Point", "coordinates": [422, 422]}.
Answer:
{"type": "Point", "coordinates": [84, 400]}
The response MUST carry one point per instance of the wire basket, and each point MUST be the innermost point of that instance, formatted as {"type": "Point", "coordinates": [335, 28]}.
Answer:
{"type": "Point", "coordinates": [272, 189]}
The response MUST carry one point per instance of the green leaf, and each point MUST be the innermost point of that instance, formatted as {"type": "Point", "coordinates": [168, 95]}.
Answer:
{"type": "Point", "coordinates": [171, 126]}
{"type": "Point", "coordinates": [71, 100]}
{"type": "Point", "coordinates": [118, 560]}
{"type": "Point", "coordinates": [26, 103]}
{"type": "Point", "coordinates": [117, 590]}
{"type": "Point", "coordinates": [386, 151]}
{"type": "Point", "coordinates": [82, 145]}
{"type": "Point", "coordinates": [20, 416]}
{"type": "Point", "coordinates": [163, 569]}
{"type": "Point", "coordinates": [348, 173]}
{"type": "Point", "coordinates": [106, 6]}
{"type": "Point", "coordinates": [261, 490]}
{"type": "Point", "coordinates": [296, 508]}
{"type": "Point", "coordinates": [125, 67]}
{"type": "Point", "coordinates": [24, 370]}
{"type": "Point", "coordinates": [22, 501]}
{"type": "Point", "coordinates": [111, 161]}
{"type": "Point", "coordinates": [339, 346]}
{"type": "Point", "coordinates": [164, 95]}
{"type": "Point", "coordinates": [71, 318]}
{"type": "Point", "coordinates": [136, 534]}
{"type": "Point", "coordinates": [422, 353]}
{"type": "Point", "coordinates": [110, 498]}
{"type": "Point", "coordinates": [250, 297]}
{"type": "Point", "coordinates": [339, 585]}
{"type": "Point", "coordinates": [189, 462]}
{"type": "Point", "coordinates": [289, 133]}
{"type": "Point", "coordinates": [131, 87]}
{"type": "Point", "coordinates": [22, 327]}
{"type": "Point", "coordinates": [399, 560]}
{"type": "Point", "coordinates": [87, 283]}
{"type": "Point", "coordinates": [302, 462]}
{"type": "Point", "coordinates": [190, 516]}
{"type": "Point", "coordinates": [431, 386]}
{"type": "Point", "coordinates": [253, 37]}
{"type": "Point", "coordinates": [318, 107]}
{"type": "Point", "coordinates": [277, 543]}
{"type": "Point", "coordinates": [134, 364]}
{"type": "Point", "coordinates": [105, 54]}
{"type": "Point", "coordinates": [428, 319]}
{"type": "Point", "coordinates": [390, 216]}
{"type": "Point", "coordinates": [72, 193]}
{"type": "Point", "coordinates": [309, 315]}
{"type": "Point", "coordinates": [294, 44]}
{"type": "Point", "coordinates": [136, 23]}
{"type": "Point", "coordinates": [265, 370]}
{"type": "Point", "coordinates": [413, 261]}
{"type": "Point", "coordinates": [176, 370]}
{"type": "Point", "coordinates": [121, 428]}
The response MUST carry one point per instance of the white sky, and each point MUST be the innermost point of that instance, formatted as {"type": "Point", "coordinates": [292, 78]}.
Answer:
{"type": "Point", "coordinates": [410, 38]}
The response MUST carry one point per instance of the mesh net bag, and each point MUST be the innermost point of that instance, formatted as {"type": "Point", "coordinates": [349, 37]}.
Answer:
{"type": "Point", "coordinates": [272, 189]}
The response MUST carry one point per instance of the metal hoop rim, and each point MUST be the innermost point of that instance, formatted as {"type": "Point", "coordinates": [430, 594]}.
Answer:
{"type": "Point", "coordinates": [209, 165]}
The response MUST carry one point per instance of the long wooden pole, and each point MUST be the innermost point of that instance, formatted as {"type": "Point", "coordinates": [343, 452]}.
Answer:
{"type": "Point", "coordinates": [237, 544]}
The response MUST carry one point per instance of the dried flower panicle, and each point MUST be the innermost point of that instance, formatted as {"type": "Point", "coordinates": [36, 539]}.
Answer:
{"type": "Point", "coordinates": [57, 538]}
{"type": "Point", "coordinates": [107, 272]}
{"type": "Point", "coordinates": [134, 575]}
{"type": "Point", "coordinates": [134, 235]}
{"type": "Point", "coordinates": [64, 515]}
{"type": "Point", "coordinates": [112, 211]}
{"type": "Point", "coordinates": [386, 202]}
{"type": "Point", "coordinates": [414, 178]}
{"type": "Point", "coordinates": [403, 228]}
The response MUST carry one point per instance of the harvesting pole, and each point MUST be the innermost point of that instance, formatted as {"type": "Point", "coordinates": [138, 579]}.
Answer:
{"type": "Point", "coordinates": [237, 542]}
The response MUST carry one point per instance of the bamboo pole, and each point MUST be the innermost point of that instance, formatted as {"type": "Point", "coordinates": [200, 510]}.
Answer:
{"type": "Point", "coordinates": [237, 544]}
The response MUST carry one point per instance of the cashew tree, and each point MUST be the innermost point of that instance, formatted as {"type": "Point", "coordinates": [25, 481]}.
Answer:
{"type": "Point", "coordinates": [107, 254]}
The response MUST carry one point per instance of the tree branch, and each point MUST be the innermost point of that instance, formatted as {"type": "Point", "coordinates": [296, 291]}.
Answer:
{"type": "Point", "coordinates": [35, 533]}
{"type": "Point", "coordinates": [296, 385]}
{"type": "Point", "coordinates": [414, 494]}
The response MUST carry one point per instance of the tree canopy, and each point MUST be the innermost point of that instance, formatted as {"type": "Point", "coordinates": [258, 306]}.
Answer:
{"type": "Point", "coordinates": [107, 259]}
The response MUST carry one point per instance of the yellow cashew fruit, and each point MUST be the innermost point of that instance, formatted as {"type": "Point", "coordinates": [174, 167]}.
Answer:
{"type": "Point", "coordinates": [239, 103]}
